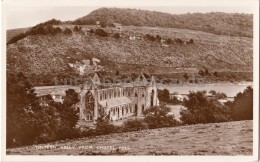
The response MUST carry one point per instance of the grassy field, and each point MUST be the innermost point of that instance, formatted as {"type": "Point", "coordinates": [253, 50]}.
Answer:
{"type": "Point", "coordinates": [231, 138]}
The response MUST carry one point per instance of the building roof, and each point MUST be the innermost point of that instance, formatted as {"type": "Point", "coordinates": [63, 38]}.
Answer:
{"type": "Point", "coordinates": [54, 90]}
{"type": "Point", "coordinates": [115, 102]}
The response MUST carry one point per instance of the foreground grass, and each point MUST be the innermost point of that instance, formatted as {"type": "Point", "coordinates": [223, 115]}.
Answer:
{"type": "Point", "coordinates": [231, 138]}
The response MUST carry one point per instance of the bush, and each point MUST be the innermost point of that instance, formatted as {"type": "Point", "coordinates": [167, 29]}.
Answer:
{"type": "Point", "coordinates": [92, 31]}
{"type": "Point", "coordinates": [103, 125]}
{"type": "Point", "coordinates": [158, 38]}
{"type": "Point", "coordinates": [32, 119]}
{"type": "Point", "coordinates": [201, 109]}
{"type": "Point", "coordinates": [191, 41]}
{"type": "Point", "coordinates": [163, 95]}
{"type": "Point", "coordinates": [37, 30]}
{"type": "Point", "coordinates": [67, 31]}
{"type": "Point", "coordinates": [206, 72]}
{"type": "Point", "coordinates": [201, 72]}
{"type": "Point", "coordinates": [158, 117]}
{"type": "Point", "coordinates": [133, 125]}
{"type": "Point", "coordinates": [77, 28]}
{"type": "Point", "coordinates": [57, 30]}
{"type": "Point", "coordinates": [169, 41]}
{"type": "Point", "coordinates": [178, 40]}
{"type": "Point", "coordinates": [17, 38]}
{"type": "Point", "coordinates": [69, 115]}
{"type": "Point", "coordinates": [174, 101]}
{"type": "Point", "coordinates": [116, 35]}
{"type": "Point", "coordinates": [101, 32]}
{"type": "Point", "coordinates": [150, 37]}
{"type": "Point", "coordinates": [242, 106]}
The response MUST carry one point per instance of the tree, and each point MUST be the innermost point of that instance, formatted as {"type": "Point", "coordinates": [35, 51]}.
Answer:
{"type": "Point", "coordinates": [213, 92]}
{"type": "Point", "coordinates": [116, 35]}
{"type": "Point", "coordinates": [242, 106]}
{"type": "Point", "coordinates": [117, 73]}
{"type": "Point", "coordinates": [220, 95]}
{"type": "Point", "coordinates": [158, 38]}
{"type": "Point", "coordinates": [57, 30]}
{"type": "Point", "coordinates": [67, 31]}
{"type": "Point", "coordinates": [103, 125]}
{"type": "Point", "coordinates": [215, 73]}
{"type": "Point", "coordinates": [24, 124]}
{"type": "Point", "coordinates": [50, 122]}
{"type": "Point", "coordinates": [191, 41]}
{"type": "Point", "coordinates": [174, 100]}
{"type": "Point", "coordinates": [163, 95]}
{"type": "Point", "coordinates": [201, 72]}
{"type": "Point", "coordinates": [101, 33]}
{"type": "Point", "coordinates": [186, 76]}
{"type": "Point", "coordinates": [206, 71]}
{"type": "Point", "coordinates": [169, 41]}
{"type": "Point", "coordinates": [133, 125]}
{"type": "Point", "coordinates": [178, 40]}
{"type": "Point", "coordinates": [69, 114]}
{"type": "Point", "coordinates": [17, 38]}
{"type": "Point", "coordinates": [157, 117]}
{"type": "Point", "coordinates": [201, 109]}
{"type": "Point", "coordinates": [76, 28]}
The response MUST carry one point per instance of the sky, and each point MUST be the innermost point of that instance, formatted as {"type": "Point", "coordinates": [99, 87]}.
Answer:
{"type": "Point", "coordinates": [19, 16]}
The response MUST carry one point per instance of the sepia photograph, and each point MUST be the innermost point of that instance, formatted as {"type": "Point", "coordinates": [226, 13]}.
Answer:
{"type": "Point", "coordinates": [97, 81]}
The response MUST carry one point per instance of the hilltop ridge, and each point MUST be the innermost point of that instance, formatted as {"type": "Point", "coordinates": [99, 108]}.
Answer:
{"type": "Point", "coordinates": [232, 24]}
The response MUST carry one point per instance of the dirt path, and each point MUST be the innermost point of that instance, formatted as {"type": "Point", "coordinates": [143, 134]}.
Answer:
{"type": "Point", "coordinates": [232, 138]}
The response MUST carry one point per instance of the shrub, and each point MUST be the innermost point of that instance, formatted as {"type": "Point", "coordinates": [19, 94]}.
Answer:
{"type": "Point", "coordinates": [69, 115]}
{"type": "Point", "coordinates": [191, 41]}
{"type": "Point", "coordinates": [201, 72]}
{"type": "Point", "coordinates": [133, 125]}
{"type": "Point", "coordinates": [242, 106]}
{"type": "Point", "coordinates": [57, 30]}
{"type": "Point", "coordinates": [17, 38]}
{"type": "Point", "coordinates": [206, 72]}
{"type": "Point", "coordinates": [77, 28]}
{"type": "Point", "coordinates": [92, 31]}
{"type": "Point", "coordinates": [31, 119]}
{"type": "Point", "coordinates": [186, 76]}
{"type": "Point", "coordinates": [158, 38]}
{"type": "Point", "coordinates": [201, 109]}
{"type": "Point", "coordinates": [174, 101]}
{"type": "Point", "coordinates": [101, 32]}
{"type": "Point", "coordinates": [158, 117]}
{"type": "Point", "coordinates": [116, 35]}
{"type": "Point", "coordinates": [103, 125]}
{"type": "Point", "coordinates": [163, 95]}
{"type": "Point", "coordinates": [67, 31]}
{"type": "Point", "coordinates": [150, 37]}
{"type": "Point", "coordinates": [178, 40]}
{"type": "Point", "coordinates": [169, 41]}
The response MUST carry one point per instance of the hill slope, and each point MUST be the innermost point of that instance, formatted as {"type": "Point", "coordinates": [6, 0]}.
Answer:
{"type": "Point", "coordinates": [56, 48]}
{"type": "Point", "coordinates": [231, 138]}
{"type": "Point", "coordinates": [216, 23]}
{"type": "Point", "coordinates": [41, 54]}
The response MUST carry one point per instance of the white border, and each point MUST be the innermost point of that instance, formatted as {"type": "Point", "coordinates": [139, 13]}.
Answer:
{"type": "Point", "coordinates": [127, 3]}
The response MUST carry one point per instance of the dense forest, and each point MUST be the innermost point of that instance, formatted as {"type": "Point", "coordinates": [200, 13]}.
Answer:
{"type": "Point", "coordinates": [232, 24]}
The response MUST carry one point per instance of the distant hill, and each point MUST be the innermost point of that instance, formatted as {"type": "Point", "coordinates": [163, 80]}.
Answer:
{"type": "Point", "coordinates": [232, 24]}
